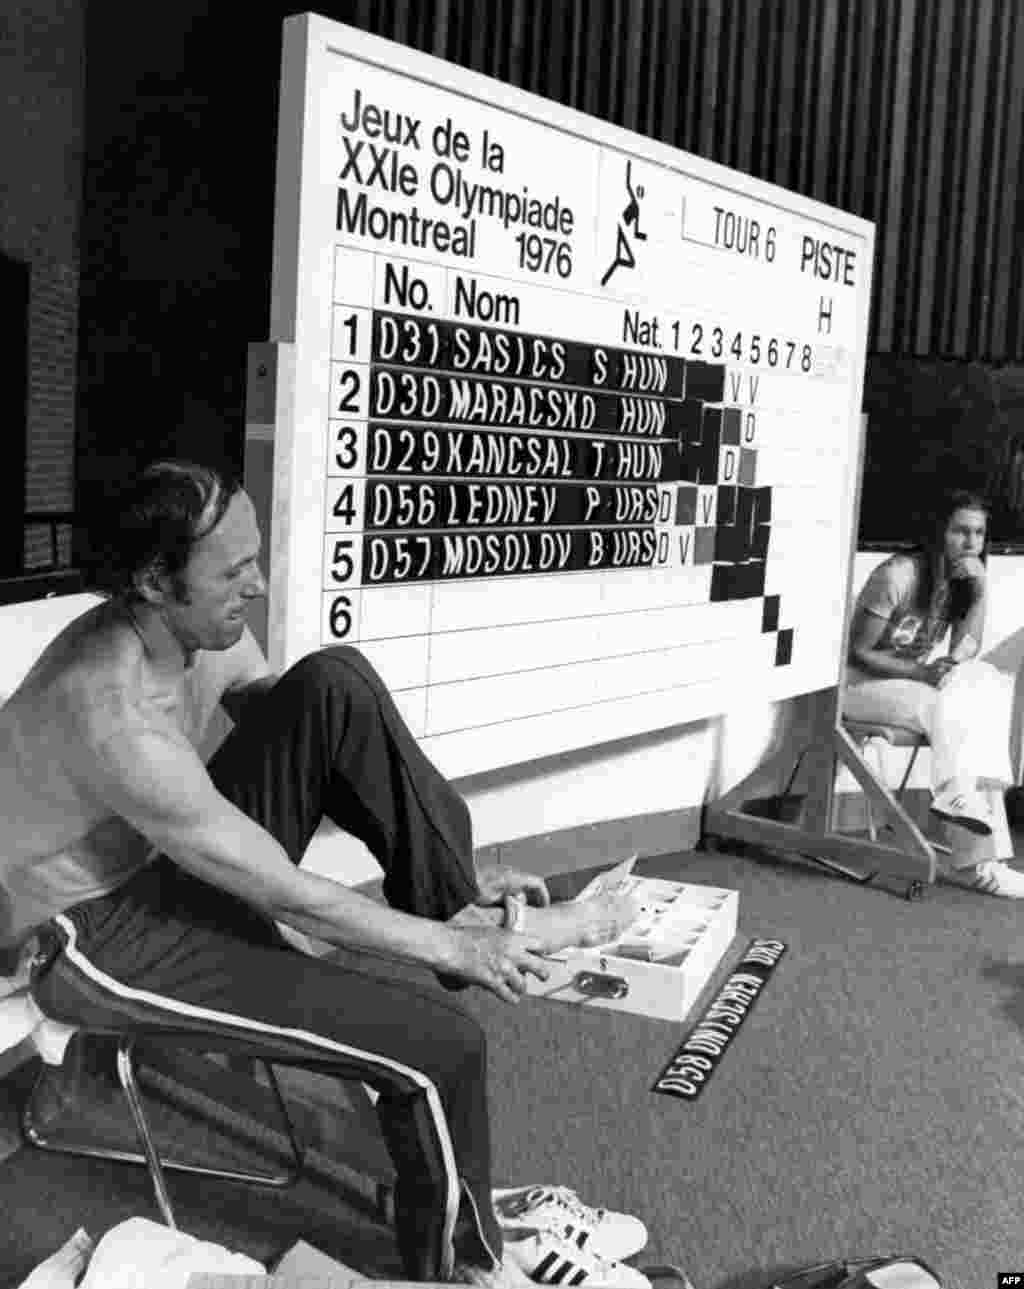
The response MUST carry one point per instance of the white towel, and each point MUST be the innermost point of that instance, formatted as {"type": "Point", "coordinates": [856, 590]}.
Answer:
{"type": "Point", "coordinates": [62, 1269]}
{"type": "Point", "coordinates": [140, 1254]}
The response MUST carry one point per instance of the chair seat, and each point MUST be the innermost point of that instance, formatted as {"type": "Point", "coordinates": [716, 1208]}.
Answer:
{"type": "Point", "coordinates": [896, 735]}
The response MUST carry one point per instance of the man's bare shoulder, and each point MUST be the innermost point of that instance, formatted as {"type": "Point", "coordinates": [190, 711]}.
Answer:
{"type": "Point", "coordinates": [90, 677]}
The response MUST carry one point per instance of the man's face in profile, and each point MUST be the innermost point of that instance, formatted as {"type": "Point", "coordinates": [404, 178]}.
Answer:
{"type": "Point", "coordinates": [206, 607]}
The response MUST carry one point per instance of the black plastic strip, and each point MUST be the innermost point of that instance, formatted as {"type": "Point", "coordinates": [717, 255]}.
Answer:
{"type": "Point", "coordinates": [697, 1057]}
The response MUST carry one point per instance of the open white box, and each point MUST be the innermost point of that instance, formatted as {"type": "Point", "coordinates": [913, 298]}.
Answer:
{"type": "Point", "coordinates": [686, 941]}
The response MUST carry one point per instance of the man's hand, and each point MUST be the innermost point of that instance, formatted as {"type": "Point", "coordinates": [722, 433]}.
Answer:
{"type": "Point", "coordinates": [499, 960]}
{"type": "Point", "coordinates": [499, 884]}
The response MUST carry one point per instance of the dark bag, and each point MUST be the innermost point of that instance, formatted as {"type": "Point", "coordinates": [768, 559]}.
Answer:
{"type": "Point", "coordinates": [872, 1273]}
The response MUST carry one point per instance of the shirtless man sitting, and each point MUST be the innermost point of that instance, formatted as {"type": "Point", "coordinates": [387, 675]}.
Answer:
{"type": "Point", "coordinates": [148, 888]}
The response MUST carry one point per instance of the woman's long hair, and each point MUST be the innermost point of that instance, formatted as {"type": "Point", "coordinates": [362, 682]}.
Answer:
{"type": "Point", "coordinates": [931, 547]}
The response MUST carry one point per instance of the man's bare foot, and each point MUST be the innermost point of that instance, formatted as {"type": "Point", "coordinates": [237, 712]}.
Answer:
{"type": "Point", "coordinates": [580, 923]}
{"type": "Point", "coordinates": [594, 920]}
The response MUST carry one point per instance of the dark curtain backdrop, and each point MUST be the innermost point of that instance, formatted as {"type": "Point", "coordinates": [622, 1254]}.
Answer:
{"type": "Point", "coordinates": [907, 112]}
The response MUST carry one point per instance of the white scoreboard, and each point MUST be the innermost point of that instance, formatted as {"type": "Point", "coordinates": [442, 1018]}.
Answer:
{"type": "Point", "coordinates": [571, 440]}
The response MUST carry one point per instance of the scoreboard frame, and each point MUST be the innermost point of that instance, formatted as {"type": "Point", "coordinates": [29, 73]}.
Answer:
{"type": "Point", "coordinates": [285, 468]}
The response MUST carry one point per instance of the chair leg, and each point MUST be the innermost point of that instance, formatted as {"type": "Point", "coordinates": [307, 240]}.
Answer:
{"type": "Point", "coordinates": [131, 1091]}
{"type": "Point", "coordinates": [35, 1135]}
{"type": "Point", "coordinates": [911, 761]}
{"type": "Point", "coordinates": [878, 746]}
{"type": "Point", "coordinates": [880, 772]}
{"type": "Point", "coordinates": [126, 1072]}
{"type": "Point", "coordinates": [906, 774]}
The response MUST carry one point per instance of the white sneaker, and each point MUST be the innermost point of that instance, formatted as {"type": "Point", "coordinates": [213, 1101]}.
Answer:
{"type": "Point", "coordinates": [968, 809]}
{"type": "Point", "coordinates": [550, 1259]}
{"type": "Point", "coordinates": [993, 877]}
{"type": "Point", "coordinates": [558, 1209]}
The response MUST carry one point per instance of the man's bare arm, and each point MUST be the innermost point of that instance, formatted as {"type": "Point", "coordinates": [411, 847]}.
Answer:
{"type": "Point", "coordinates": [155, 780]}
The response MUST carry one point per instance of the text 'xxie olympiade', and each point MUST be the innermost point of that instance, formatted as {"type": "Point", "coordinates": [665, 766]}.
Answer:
{"type": "Point", "coordinates": [380, 146]}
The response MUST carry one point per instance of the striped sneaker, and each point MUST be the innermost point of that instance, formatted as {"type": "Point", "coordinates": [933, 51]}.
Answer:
{"type": "Point", "coordinates": [550, 1259]}
{"type": "Point", "coordinates": [558, 1209]}
{"type": "Point", "coordinates": [968, 809]}
{"type": "Point", "coordinates": [993, 877]}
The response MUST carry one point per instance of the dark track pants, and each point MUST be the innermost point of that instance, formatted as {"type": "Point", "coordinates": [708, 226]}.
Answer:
{"type": "Point", "coordinates": [167, 954]}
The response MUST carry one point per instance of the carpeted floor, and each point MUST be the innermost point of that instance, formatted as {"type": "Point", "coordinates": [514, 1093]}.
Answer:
{"type": "Point", "coordinates": [872, 1101]}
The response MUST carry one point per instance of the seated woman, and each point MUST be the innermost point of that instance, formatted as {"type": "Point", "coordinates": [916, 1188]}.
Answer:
{"type": "Point", "coordinates": [897, 674]}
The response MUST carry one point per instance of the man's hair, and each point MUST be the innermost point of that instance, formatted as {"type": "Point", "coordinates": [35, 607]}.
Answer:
{"type": "Point", "coordinates": [155, 522]}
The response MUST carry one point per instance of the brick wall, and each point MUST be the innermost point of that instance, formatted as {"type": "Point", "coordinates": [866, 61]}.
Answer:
{"type": "Point", "coordinates": [42, 143]}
